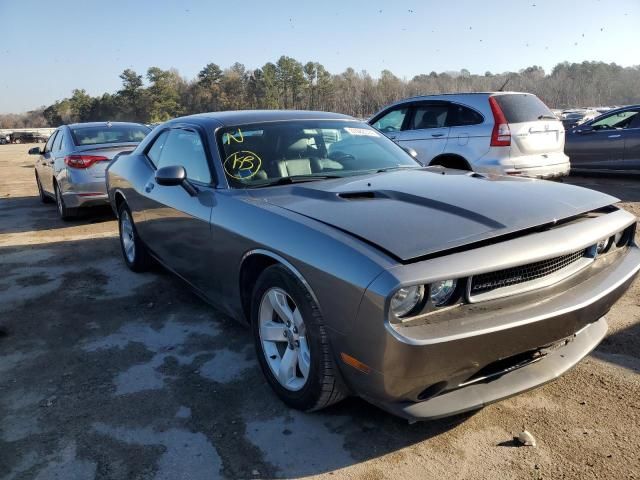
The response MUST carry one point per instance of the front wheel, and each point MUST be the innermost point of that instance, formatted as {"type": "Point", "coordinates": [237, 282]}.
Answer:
{"type": "Point", "coordinates": [292, 343]}
{"type": "Point", "coordinates": [133, 250]}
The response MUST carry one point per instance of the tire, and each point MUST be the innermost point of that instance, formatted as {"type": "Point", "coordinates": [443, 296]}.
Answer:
{"type": "Point", "coordinates": [134, 252]}
{"type": "Point", "coordinates": [64, 212]}
{"type": "Point", "coordinates": [44, 198]}
{"type": "Point", "coordinates": [457, 163]}
{"type": "Point", "coordinates": [303, 345]}
{"type": "Point", "coordinates": [18, 141]}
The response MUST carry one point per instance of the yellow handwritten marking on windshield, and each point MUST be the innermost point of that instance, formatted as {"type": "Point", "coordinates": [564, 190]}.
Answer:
{"type": "Point", "coordinates": [242, 165]}
{"type": "Point", "coordinates": [227, 137]}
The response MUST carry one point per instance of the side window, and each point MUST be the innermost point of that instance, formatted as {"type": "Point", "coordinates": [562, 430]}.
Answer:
{"type": "Point", "coordinates": [429, 116]}
{"type": "Point", "coordinates": [391, 121]}
{"type": "Point", "coordinates": [47, 147]}
{"type": "Point", "coordinates": [617, 120]}
{"type": "Point", "coordinates": [57, 144]}
{"type": "Point", "coordinates": [156, 149]}
{"type": "Point", "coordinates": [184, 147]}
{"type": "Point", "coordinates": [461, 116]}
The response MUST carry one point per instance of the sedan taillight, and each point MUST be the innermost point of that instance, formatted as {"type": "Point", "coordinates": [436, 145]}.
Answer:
{"type": "Point", "coordinates": [83, 161]}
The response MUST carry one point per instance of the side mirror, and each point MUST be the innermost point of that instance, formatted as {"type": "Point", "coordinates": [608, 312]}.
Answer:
{"type": "Point", "coordinates": [175, 175]}
{"type": "Point", "coordinates": [35, 151]}
{"type": "Point", "coordinates": [583, 129]}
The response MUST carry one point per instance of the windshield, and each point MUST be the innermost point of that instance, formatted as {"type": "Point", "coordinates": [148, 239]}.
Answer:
{"type": "Point", "coordinates": [264, 154]}
{"type": "Point", "coordinates": [109, 134]}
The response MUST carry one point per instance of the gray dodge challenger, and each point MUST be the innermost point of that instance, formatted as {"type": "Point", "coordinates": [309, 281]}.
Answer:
{"type": "Point", "coordinates": [426, 291]}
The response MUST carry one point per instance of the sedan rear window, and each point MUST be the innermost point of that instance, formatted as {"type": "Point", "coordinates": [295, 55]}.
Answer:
{"type": "Point", "coordinates": [97, 135]}
{"type": "Point", "coordinates": [518, 108]}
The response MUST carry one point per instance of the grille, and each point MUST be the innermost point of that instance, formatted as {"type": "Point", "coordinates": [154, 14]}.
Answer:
{"type": "Point", "coordinates": [486, 282]}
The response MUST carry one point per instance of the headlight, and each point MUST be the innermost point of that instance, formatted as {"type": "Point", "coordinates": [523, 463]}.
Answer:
{"type": "Point", "coordinates": [442, 291]}
{"type": "Point", "coordinates": [406, 299]}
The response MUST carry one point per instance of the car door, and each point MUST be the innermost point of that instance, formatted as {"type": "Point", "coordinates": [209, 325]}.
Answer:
{"type": "Point", "coordinates": [598, 144]}
{"type": "Point", "coordinates": [631, 160]}
{"type": "Point", "coordinates": [427, 130]}
{"type": "Point", "coordinates": [469, 135]}
{"type": "Point", "coordinates": [175, 224]}
{"type": "Point", "coordinates": [45, 163]}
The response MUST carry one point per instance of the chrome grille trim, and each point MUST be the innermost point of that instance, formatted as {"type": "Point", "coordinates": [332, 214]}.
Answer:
{"type": "Point", "coordinates": [524, 278]}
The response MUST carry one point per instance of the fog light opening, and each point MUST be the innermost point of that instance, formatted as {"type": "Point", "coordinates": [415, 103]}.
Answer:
{"type": "Point", "coordinates": [432, 390]}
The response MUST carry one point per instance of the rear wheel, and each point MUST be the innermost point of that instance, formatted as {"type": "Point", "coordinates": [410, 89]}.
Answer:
{"type": "Point", "coordinates": [133, 250]}
{"type": "Point", "coordinates": [292, 342]}
{"type": "Point", "coordinates": [64, 212]}
{"type": "Point", "coordinates": [44, 198]}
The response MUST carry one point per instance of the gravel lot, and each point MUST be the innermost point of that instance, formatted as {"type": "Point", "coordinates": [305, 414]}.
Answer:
{"type": "Point", "coordinates": [108, 374]}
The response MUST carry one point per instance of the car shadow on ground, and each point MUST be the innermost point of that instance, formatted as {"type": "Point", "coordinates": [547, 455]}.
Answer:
{"type": "Point", "coordinates": [114, 374]}
{"type": "Point", "coordinates": [29, 214]}
{"type": "Point", "coordinates": [621, 348]}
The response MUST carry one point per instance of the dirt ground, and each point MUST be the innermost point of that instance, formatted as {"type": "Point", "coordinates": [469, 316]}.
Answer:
{"type": "Point", "coordinates": [112, 375]}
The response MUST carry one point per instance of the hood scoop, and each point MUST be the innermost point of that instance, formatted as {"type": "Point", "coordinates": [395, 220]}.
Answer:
{"type": "Point", "coordinates": [362, 195]}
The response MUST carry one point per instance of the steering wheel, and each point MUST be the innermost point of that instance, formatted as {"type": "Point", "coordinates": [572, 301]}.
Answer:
{"type": "Point", "coordinates": [341, 156]}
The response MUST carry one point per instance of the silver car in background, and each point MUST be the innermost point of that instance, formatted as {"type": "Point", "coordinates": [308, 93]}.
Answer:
{"type": "Point", "coordinates": [70, 169]}
{"type": "Point", "coordinates": [495, 132]}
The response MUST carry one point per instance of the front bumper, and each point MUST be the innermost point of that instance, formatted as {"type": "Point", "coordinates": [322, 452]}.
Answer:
{"type": "Point", "coordinates": [427, 370]}
{"type": "Point", "coordinates": [478, 395]}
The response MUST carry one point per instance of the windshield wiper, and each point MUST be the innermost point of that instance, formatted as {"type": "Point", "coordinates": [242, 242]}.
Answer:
{"type": "Point", "coordinates": [547, 117]}
{"type": "Point", "coordinates": [397, 167]}
{"type": "Point", "coordinates": [294, 179]}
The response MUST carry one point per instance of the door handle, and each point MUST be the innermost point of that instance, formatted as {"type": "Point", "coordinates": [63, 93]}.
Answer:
{"type": "Point", "coordinates": [615, 136]}
{"type": "Point", "coordinates": [437, 134]}
{"type": "Point", "coordinates": [149, 186]}
{"type": "Point", "coordinates": [392, 137]}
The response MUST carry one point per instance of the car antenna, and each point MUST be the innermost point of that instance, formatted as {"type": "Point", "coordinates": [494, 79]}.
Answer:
{"type": "Point", "coordinates": [501, 89]}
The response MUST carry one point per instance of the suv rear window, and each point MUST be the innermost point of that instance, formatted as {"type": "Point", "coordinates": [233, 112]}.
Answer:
{"type": "Point", "coordinates": [97, 135]}
{"type": "Point", "coordinates": [522, 107]}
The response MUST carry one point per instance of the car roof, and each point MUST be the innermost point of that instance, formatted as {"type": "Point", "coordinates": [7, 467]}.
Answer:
{"type": "Point", "coordinates": [101, 124]}
{"type": "Point", "coordinates": [239, 117]}
{"type": "Point", "coordinates": [621, 109]}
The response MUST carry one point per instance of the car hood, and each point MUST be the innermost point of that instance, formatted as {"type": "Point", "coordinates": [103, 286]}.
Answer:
{"type": "Point", "coordinates": [420, 212]}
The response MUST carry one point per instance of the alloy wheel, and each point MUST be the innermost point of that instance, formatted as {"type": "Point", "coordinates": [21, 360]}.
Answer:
{"type": "Point", "coordinates": [284, 339]}
{"type": "Point", "coordinates": [127, 236]}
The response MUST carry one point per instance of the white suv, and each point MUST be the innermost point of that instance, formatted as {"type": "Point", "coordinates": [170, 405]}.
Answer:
{"type": "Point", "coordinates": [496, 132]}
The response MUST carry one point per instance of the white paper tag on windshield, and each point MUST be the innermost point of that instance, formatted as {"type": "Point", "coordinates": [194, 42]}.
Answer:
{"type": "Point", "coordinates": [363, 132]}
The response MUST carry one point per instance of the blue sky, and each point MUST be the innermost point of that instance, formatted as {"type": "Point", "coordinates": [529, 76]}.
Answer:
{"type": "Point", "coordinates": [48, 48]}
